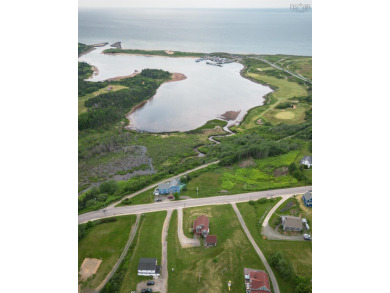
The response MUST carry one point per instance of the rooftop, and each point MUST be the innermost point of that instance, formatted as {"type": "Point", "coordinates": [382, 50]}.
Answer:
{"type": "Point", "coordinates": [293, 222]}
{"type": "Point", "coordinates": [211, 239]}
{"type": "Point", "coordinates": [147, 264]}
{"type": "Point", "coordinates": [307, 195]}
{"type": "Point", "coordinates": [202, 220]}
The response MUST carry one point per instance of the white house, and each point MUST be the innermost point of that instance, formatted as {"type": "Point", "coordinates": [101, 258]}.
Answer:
{"type": "Point", "coordinates": [307, 161]}
{"type": "Point", "coordinates": [148, 267]}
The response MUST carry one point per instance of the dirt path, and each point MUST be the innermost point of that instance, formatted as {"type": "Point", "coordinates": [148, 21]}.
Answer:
{"type": "Point", "coordinates": [261, 255]}
{"type": "Point", "coordinates": [185, 242]}
{"type": "Point", "coordinates": [161, 284]}
{"type": "Point", "coordinates": [131, 238]}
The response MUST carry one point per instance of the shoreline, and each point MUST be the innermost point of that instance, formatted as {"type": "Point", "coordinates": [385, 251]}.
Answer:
{"type": "Point", "coordinates": [148, 55]}
{"type": "Point", "coordinates": [121, 77]}
{"type": "Point", "coordinates": [176, 76]}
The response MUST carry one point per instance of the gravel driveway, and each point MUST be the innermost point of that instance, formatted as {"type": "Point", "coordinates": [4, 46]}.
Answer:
{"type": "Point", "coordinates": [184, 241]}
{"type": "Point", "coordinates": [271, 234]}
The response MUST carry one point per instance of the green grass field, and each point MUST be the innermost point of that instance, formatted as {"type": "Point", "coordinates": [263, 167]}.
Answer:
{"type": "Point", "coordinates": [105, 241]}
{"type": "Point", "coordinates": [148, 245]}
{"type": "Point", "coordinates": [82, 99]}
{"type": "Point", "coordinates": [298, 252]}
{"type": "Point", "coordinates": [202, 269]}
{"type": "Point", "coordinates": [261, 175]}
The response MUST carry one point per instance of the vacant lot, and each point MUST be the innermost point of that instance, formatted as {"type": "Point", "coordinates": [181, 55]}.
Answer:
{"type": "Point", "coordinates": [299, 253]}
{"type": "Point", "coordinates": [106, 242]}
{"type": "Point", "coordinates": [148, 245]}
{"type": "Point", "coordinates": [201, 269]}
{"type": "Point", "coordinates": [261, 174]}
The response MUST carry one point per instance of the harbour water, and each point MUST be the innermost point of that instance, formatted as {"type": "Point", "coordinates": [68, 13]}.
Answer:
{"type": "Point", "coordinates": [207, 92]}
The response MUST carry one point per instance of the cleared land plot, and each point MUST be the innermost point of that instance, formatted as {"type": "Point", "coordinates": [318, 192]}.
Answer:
{"type": "Point", "coordinates": [106, 242]}
{"type": "Point", "coordinates": [148, 245]}
{"type": "Point", "coordinates": [89, 268]}
{"type": "Point", "coordinates": [202, 269]}
{"type": "Point", "coordinates": [298, 253]}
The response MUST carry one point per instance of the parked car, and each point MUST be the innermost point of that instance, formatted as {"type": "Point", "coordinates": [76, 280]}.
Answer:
{"type": "Point", "coordinates": [149, 283]}
{"type": "Point", "coordinates": [307, 237]}
{"type": "Point", "coordinates": [158, 199]}
{"type": "Point", "coordinates": [146, 290]}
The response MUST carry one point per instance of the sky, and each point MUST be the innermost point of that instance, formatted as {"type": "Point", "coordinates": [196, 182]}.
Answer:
{"type": "Point", "coordinates": [193, 3]}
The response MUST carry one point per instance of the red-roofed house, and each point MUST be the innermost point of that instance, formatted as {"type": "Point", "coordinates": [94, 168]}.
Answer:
{"type": "Point", "coordinates": [211, 240]}
{"type": "Point", "coordinates": [201, 226]}
{"type": "Point", "coordinates": [256, 281]}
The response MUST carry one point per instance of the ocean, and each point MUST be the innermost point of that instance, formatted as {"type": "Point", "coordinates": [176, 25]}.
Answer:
{"type": "Point", "coordinates": [260, 31]}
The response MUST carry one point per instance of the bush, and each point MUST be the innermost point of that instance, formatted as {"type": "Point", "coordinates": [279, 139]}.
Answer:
{"type": "Point", "coordinates": [252, 202]}
{"type": "Point", "coordinates": [298, 175]}
{"type": "Point", "coordinates": [126, 201]}
{"type": "Point", "coordinates": [176, 195]}
{"type": "Point", "coordinates": [292, 167]}
{"type": "Point", "coordinates": [262, 200]}
{"type": "Point", "coordinates": [281, 264]}
{"type": "Point", "coordinates": [108, 187]}
{"type": "Point", "coordinates": [303, 285]}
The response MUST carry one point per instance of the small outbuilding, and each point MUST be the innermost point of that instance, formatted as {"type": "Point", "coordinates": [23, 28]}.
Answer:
{"type": "Point", "coordinates": [211, 240]}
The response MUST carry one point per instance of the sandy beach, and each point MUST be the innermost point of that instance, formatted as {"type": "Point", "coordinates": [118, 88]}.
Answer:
{"type": "Point", "coordinates": [121, 77]}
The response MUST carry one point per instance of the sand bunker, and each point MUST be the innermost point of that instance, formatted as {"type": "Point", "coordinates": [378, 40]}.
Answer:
{"type": "Point", "coordinates": [89, 267]}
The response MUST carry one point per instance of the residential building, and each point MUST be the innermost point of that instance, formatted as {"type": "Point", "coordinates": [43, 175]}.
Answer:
{"type": "Point", "coordinates": [170, 187]}
{"type": "Point", "coordinates": [211, 240]}
{"type": "Point", "coordinates": [291, 223]}
{"type": "Point", "coordinates": [256, 281]}
{"type": "Point", "coordinates": [148, 267]}
{"type": "Point", "coordinates": [307, 161]}
{"type": "Point", "coordinates": [307, 198]}
{"type": "Point", "coordinates": [201, 226]}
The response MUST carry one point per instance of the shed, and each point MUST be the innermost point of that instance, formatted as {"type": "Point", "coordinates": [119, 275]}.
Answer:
{"type": "Point", "coordinates": [211, 240]}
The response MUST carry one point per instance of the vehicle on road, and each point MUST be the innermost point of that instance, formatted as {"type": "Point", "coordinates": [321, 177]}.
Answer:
{"type": "Point", "coordinates": [158, 199]}
{"type": "Point", "coordinates": [149, 283]}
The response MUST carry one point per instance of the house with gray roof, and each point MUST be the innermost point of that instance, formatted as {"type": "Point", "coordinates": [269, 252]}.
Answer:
{"type": "Point", "coordinates": [148, 267]}
{"type": "Point", "coordinates": [306, 161]}
{"type": "Point", "coordinates": [291, 223]}
{"type": "Point", "coordinates": [307, 198]}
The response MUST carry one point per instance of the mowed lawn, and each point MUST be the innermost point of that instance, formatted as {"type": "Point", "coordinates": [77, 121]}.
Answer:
{"type": "Point", "coordinates": [105, 241]}
{"type": "Point", "coordinates": [205, 270]}
{"type": "Point", "coordinates": [298, 252]}
{"type": "Point", "coordinates": [148, 245]}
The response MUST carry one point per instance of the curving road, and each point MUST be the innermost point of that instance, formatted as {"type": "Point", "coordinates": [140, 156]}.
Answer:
{"type": "Point", "coordinates": [185, 242]}
{"type": "Point", "coordinates": [194, 202]}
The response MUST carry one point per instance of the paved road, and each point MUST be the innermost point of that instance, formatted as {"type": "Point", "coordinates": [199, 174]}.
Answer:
{"type": "Point", "coordinates": [262, 257]}
{"type": "Point", "coordinates": [285, 70]}
{"type": "Point", "coordinates": [171, 205]}
{"type": "Point", "coordinates": [165, 180]}
{"type": "Point", "coordinates": [185, 242]}
{"type": "Point", "coordinates": [131, 238]}
{"type": "Point", "coordinates": [284, 198]}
